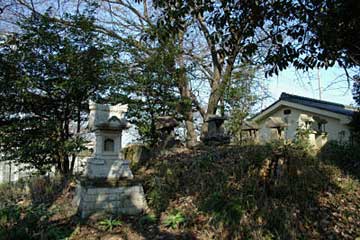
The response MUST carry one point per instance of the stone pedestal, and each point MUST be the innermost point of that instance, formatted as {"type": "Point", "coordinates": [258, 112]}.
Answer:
{"type": "Point", "coordinates": [106, 185]}
{"type": "Point", "coordinates": [113, 200]}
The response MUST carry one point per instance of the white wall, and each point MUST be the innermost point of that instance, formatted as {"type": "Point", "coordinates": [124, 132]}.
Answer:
{"type": "Point", "coordinates": [9, 172]}
{"type": "Point", "coordinates": [333, 126]}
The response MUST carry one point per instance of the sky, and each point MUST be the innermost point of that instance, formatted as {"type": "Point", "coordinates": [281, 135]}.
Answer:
{"type": "Point", "coordinates": [333, 82]}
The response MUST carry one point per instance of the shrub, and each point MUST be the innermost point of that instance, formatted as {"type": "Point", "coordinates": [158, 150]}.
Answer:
{"type": "Point", "coordinates": [24, 212]}
{"type": "Point", "coordinates": [29, 222]}
{"type": "Point", "coordinates": [343, 154]}
{"type": "Point", "coordinates": [45, 189]}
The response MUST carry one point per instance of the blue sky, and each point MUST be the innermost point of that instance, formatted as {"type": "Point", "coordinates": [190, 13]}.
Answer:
{"type": "Point", "coordinates": [334, 85]}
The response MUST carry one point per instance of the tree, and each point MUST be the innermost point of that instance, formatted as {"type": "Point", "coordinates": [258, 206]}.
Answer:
{"type": "Point", "coordinates": [355, 123]}
{"type": "Point", "coordinates": [199, 56]}
{"type": "Point", "coordinates": [49, 72]}
{"type": "Point", "coordinates": [271, 33]}
{"type": "Point", "coordinates": [147, 82]}
{"type": "Point", "coordinates": [276, 34]}
{"type": "Point", "coordinates": [244, 92]}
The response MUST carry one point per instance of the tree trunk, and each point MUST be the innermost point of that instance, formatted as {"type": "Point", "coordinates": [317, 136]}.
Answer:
{"type": "Point", "coordinates": [183, 85]}
{"type": "Point", "coordinates": [218, 84]}
{"type": "Point", "coordinates": [214, 99]}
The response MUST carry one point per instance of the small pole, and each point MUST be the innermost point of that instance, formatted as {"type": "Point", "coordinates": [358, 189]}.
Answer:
{"type": "Point", "coordinates": [9, 171]}
{"type": "Point", "coordinates": [319, 83]}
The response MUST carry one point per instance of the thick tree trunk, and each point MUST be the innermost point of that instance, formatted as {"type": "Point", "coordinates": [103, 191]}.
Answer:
{"type": "Point", "coordinates": [218, 84]}
{"type": "Point", "coordinates": [214, 99]}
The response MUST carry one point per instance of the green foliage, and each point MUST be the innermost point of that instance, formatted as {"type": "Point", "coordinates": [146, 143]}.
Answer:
{"type": "Point", "coordinates": [24, 222]}
{"type": "Point", "coordinates": [58, 233]}
{"type": "Point", "coordinates": [147, 219]}
{"type": "Point", "coordinates": [355, 128]}
{"type": "Point", "coordinates": [9, 216]}
{"type": "Point", "coordinates": [159, 194]}
{"type": "Point", "coordinates": [174, 219]}
{"type": "Point", "coordinates": [227, 209]}
{"type": "Point", "coordinates": [147, 82]}
{"type": "Point", "coordinates": [109, 223]}
{"type": "Point", "coordinates": [48, 74]}
{"type": "Point", "coordinates": [25, 211]}
{"type": "Point", "coordinates": [12, 192]}
{"type": "Point", "coordinates": [235, 123]}
{"type": "Point", "coordinates": [356, 89]}
{"type": "Point", "coordinates": [45, 189]}
{"type": "Point", "coordinates": [243, 92]}
{"type": "Point", "coordinates": [302, 138]}
{"type": "Point", "coordinates": [355, 123]}
{"type": "Point", "coordinates": [307, 35]}
{"type": "Point", "coordinates": [241, 190]}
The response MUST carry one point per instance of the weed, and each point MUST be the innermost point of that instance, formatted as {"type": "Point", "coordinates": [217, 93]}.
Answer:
{"type": "Point", "coordinates": [109, 223]}
{"type": "Point", "coordinates": [147, 219]}
{"type": "Point", "coordinates": [226, 209]}
{"type": "Point", "coordinates": [174, 219]}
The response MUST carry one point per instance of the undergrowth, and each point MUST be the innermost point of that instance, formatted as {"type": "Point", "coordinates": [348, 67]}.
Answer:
{"type": "Point", "coordinates": [273, 191]}
{"type": "Point", "coordinates": [251, 192]}
{"type": "Point", "coordinates": [25, 212]}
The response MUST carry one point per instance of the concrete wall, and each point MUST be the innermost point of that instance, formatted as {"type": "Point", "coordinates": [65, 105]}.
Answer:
{"type": "Point", "coordinates": [9, 172]}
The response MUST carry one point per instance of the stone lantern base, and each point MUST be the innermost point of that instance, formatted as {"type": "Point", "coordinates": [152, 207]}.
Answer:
{"type": "Point", "coordinates": [109, 198]}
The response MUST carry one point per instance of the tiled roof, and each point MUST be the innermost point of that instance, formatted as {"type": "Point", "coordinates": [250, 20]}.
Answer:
{"type": "Point", "coordinates": [310, 102]}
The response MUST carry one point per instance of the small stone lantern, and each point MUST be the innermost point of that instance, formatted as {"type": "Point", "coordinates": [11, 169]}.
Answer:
{"type": "Point", "coordinates": [216, 132]}
{"type": "Point", "coordinates": [165, 127]}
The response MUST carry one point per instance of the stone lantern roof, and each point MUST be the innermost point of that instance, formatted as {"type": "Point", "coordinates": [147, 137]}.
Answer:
{"type": "Point", "coordinates": [107, 117]}
{"type": "Point", "coordinates": [165, 123]}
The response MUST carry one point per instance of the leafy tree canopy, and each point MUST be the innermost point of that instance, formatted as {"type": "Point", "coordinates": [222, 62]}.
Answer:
{"type": "Point", "coordinates": [49, 71]}
{"type": "Point", "coordinates": [307, 34]}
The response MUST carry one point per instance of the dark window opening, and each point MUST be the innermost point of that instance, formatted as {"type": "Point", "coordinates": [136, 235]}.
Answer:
{"type": "Point", "coordinates": [109, 145]}
{"type": "Point", "coordinates": [287, 111]}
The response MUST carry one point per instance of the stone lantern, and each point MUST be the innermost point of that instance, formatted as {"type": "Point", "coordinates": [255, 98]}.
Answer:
{"type": "Point", "coordinates": [165, 127]}
{"type": "Point", "coordinates": [215, 130]}
{"type": "Point", "coordinates": [107, 185]}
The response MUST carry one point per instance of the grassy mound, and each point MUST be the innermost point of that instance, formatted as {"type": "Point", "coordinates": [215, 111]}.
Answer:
{"type": "Point", "coordinates": [277, 191]}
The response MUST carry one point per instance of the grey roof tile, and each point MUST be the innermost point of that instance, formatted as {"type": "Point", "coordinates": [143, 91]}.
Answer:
{"type": "Point", "coordinates": [320, 104]}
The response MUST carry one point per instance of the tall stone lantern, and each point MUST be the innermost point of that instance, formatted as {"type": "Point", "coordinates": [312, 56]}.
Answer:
{"type": "Point", "coordinates": [107, 185]}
